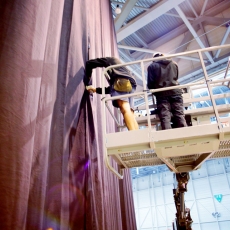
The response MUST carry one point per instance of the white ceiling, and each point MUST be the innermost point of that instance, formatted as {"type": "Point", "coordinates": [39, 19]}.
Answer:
{"type": "Point", "coordinates": [173, 26]}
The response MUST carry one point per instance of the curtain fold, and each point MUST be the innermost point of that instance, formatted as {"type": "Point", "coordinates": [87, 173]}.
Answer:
{"type": "Point", "coordinates": [52, 174]}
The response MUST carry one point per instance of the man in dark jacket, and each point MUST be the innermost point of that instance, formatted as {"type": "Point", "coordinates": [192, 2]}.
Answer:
{"type": "Point", "coordinates": [161, 74]}
{"type": "Point", "coordinates": [121, 82]}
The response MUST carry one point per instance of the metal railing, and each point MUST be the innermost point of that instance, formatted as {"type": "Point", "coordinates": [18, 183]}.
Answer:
{"type": "Point", "coordinates": [145, 92]}
{"type": "Point", "coordinates": [226, 72]}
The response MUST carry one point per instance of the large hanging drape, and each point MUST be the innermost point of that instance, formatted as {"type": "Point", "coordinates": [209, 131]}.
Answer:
{"type": "Point", "coordinates": [52, 174]}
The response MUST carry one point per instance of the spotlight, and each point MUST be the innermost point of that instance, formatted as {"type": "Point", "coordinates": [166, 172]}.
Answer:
{"type": "Point", "coordinates": [118, 10]}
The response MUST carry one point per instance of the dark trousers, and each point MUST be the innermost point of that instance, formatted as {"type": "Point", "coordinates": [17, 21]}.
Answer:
{"type": "Point", "coordinates": [169, 106]}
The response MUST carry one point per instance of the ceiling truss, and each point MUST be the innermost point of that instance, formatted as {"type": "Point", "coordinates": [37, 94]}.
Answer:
{"type": "Point", "coordinates": [192, 27]}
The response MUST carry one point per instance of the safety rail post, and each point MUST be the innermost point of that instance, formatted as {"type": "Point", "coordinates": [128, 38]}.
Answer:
{"type": "Point", "coordinates": [106, 158]}
{"type": "Point", "coordinates": [226, 72]}
{"type": "Point", "coordinates": [175, 87]}
{"type": "Point", "coordinates": [228, 65]}
{"type": "Point", "coordinates": [145, 94]}
{"type": "Point", "coordinates": [115, 119]}
{"type": "Point", "coordinates": [103, 108]}
{"type": "Point", "coordinates": [210, 92]}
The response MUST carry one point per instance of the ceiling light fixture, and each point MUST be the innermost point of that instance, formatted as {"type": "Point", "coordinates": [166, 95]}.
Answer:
{"type": "Point", "coordinates": [118, 10]}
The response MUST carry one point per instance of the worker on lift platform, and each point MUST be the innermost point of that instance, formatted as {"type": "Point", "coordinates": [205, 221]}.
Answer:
{"type": "Point", "coordinates": [121, 82]}
{"type": "Point", "coordinates": [161, 74]}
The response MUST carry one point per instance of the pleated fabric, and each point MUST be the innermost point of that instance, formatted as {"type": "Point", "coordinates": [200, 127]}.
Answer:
{"type": "Point", "coordinates": [52, 174]}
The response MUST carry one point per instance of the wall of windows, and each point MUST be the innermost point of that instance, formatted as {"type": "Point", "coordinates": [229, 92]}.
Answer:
{"type": "Point", "coordinates": [208, 197]}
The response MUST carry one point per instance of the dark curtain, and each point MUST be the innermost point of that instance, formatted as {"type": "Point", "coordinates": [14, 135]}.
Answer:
{"type": "Point", "coordinates": [52, 174]}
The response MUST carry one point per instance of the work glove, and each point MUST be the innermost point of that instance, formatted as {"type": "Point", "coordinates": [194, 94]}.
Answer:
{"type": "Point", "coordinates": [90, 89]}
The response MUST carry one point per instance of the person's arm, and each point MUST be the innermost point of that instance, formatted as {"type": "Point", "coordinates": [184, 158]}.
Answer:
{"type": "Point", "coordinates": [92, 64]}
{"type": "Point", "coordinates": [98, 90]}
{"type": "Point", "coordinates": [150, 78]}
{"type": "Point", "coordinates": [107, 90]}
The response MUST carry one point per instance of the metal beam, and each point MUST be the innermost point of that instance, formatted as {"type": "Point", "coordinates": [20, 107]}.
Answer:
{"type": "Point", "coordinates": [144, 44]}
{"type": "Point", "coordinates": [147, 17]}
{"type": "Point", "coordinates": [193, 10]}
{"type": "Point", "coordinates": [228, 65]}
{"type": "Point", "coordinates": [222, 42]}
{"type": "Point", "coordinates": [137, 49]}
{"type": "Point", "coordinates": [216, 21]}
{"type": "Point", "coordinates": [184, 43]}
{"type": "Point", "coordinates": [122, 3]}
{"type": "Point", "coordinates": [183, 29]}
{"type": "Point", "coordinates": [203, 7]}
{"type": "Point", "coordinates": [126, 9]}
{"type": "Point", "coordinates": [154, 51]}
{"type": "Point", "coordinates": [141, 40]}
{"type": "Point", "coordinates": [219, 8]}
{"type": "Point", "coordinates": [164, 39]}
{"type": "Point", "coordinates": [201, 159]}
{"type": "Point", "coordinates": [187, 23]}
{"type": "Point", "coordinates": [205, 38]}
{"type": "Point", "coordinates": [126, 51]}
{"type": "Point", "coordinates": [177, 16]}
{"type": "Point", "coordinates": [171, 35]}
{"type": "Point", "coordinates": [191, 58]}
{"type": "Point", "coordinates": [208, 18]}
{"type": "Point", "coordinates": [129, 67]}
{"type": "Point", "coordinates": [197, 74]}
